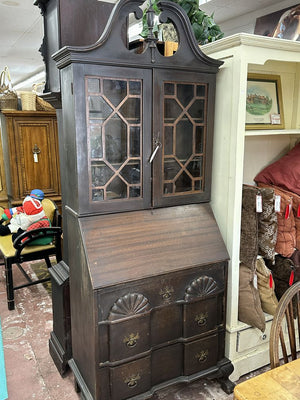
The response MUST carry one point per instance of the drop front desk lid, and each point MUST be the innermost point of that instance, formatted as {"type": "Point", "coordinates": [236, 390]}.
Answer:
{"type": "Point", "coordinates": [138, 244]}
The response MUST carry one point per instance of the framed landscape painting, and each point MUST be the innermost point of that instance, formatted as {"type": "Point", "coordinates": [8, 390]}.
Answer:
{"type": "Point", "coordinates": [264, 102]}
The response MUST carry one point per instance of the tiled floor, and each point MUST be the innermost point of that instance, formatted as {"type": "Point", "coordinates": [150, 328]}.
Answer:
{"type": "Point", "coordinates": [30, 372]}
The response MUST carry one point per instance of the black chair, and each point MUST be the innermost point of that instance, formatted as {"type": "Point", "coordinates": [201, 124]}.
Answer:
{"type": "Point", "coordinates": [21, 251]}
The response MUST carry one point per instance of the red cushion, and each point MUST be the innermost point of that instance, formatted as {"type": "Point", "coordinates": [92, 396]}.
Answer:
{"type": "Point", "coordinates": [284, 173]}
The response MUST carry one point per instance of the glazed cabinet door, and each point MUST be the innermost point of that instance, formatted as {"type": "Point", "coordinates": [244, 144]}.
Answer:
{"type": "Point", "coordinates": [118, 121]}
{"type": "Point", "coordinates": [149, 138]}
{"type": "Point", "coordinates": [182, 137]}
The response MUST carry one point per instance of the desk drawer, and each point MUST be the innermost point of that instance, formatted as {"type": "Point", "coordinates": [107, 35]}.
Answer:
{"type": "Point", "coordinates": [201, 354]}
{"type": "Point", "coordinates": [166, 363]}
{"type": "Point", "coordinates": [129, 337]}
{"type": "Point", "coordinates": [202, 316]}
{"type": "Point", "coordinates": [130, 379]}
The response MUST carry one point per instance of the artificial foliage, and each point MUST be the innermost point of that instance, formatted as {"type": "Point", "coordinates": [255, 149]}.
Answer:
{"type": "Point", "coordinates": [203, 25]}
{"type": "Point", "coordinates": [145, 30]}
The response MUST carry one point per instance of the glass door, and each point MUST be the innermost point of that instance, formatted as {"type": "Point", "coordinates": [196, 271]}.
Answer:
{"type": "Point", "coordinates": [117, 136]}
{"type": "Point", "coordinates": [183, 135]}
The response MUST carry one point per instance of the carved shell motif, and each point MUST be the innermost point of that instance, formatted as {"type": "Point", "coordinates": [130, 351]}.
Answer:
{"type": "Point", "coordinates": [130, 304]}
{"type": "Point", "coordinates": [200, 287]}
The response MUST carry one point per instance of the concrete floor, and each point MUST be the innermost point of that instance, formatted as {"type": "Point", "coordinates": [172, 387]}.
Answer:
{"type": "Point", "coordinates": [30, 371]}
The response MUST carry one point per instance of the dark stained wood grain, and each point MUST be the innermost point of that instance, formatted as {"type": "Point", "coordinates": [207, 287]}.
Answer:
{"type": "Point", "coordinates": [68, 22]}
{"type": "Point", "coordinates": [135, 245]}
{"type": "Point", "coordinates": [147, 285]}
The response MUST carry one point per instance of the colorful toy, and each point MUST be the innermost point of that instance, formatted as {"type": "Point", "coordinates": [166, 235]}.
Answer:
{"type": "Point", "coordinates": [9, 212]}
{"type": "Point", "coordinates": [26, 217]}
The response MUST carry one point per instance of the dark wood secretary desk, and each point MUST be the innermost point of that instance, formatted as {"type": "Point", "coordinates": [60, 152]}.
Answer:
{"type": "Point", "coordinates": [146, 263]}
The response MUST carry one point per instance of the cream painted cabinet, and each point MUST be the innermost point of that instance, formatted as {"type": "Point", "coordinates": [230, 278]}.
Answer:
{"type": "Point", "coordinates": [240, 154]}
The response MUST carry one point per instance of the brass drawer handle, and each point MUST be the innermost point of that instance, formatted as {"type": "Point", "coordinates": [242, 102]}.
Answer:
{"type": "Point", "coordinates": [131, 340]}
{"type": "Point", "coordinates": [132, 380]}
{"type": "Point", "coordinates": [202, 356]}
{"type": "Point", "coordinates": [166, 293]}
{"type": "Point", "coordinates": [201, 319]}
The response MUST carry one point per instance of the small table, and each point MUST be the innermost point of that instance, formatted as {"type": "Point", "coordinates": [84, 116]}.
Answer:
{"type": "Point", "coordinates": [277, 384]}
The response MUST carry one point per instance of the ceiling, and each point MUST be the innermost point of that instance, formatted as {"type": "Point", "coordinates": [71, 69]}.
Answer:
{"type": "Point", "coordinates": [21, 33]}
{"type": "Point", "coordinates": [228, 9]}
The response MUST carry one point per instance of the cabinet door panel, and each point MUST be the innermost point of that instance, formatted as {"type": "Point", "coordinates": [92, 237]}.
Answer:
{"type": "Point", "coordinates": [118, 128]}
{"type": "Point", "coordinates": [37, 168]}
{"type": "Point", "coordinates": [183, 129]}
{"type": "Point", "coordinates": [31, 141]}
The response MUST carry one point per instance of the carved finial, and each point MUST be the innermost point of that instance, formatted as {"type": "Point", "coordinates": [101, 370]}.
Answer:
{"type": "Point", "coordinates": [151, 39]}
{"type": "Point", "coordinates": [150, 21]}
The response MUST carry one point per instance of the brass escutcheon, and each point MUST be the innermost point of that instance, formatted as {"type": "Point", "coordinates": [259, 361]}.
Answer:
{"type": "Point", "coordinates": [166, 293]}
{"type": "Point", "coordinates": [201, 319]}
{"type": "Point", "coordinates": [131, 340]}
{"type": "Point", "coordinates": [202, 356]}
{"type": "Point", "coordinates": [36, 149]}
{"type": "Point", "coordinates": [132, 380]}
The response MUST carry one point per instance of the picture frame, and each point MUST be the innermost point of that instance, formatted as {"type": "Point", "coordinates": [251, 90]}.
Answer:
{"type": "Point", "coordinates": [264, 106]}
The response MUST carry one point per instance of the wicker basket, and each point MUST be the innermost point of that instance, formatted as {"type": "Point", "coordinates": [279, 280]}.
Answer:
{"type": "Point", "coordinates": [38, 88]}
{"type": "Point", "coordinates": [8, 97]}
{"type": "Point", "coordinates": [8, 101]}
{"type": "Point", "coordinates": [28, 100]}
{"type": "Point", "coordinates": [42, 105]}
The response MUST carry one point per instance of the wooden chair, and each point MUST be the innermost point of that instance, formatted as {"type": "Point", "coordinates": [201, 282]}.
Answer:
{"type": "Point", "coordinates": [281, 381]}
{"type": "Point", "coordinates": [287, 317]}
{"type": "Point", "coordinates": [21, 251]}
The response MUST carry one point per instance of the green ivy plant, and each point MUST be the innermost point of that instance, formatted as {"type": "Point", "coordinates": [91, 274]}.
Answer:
{"type": "Point", "coordinates": [145, 30]}
{"type": "Point", "coordinates": [203, 25]}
